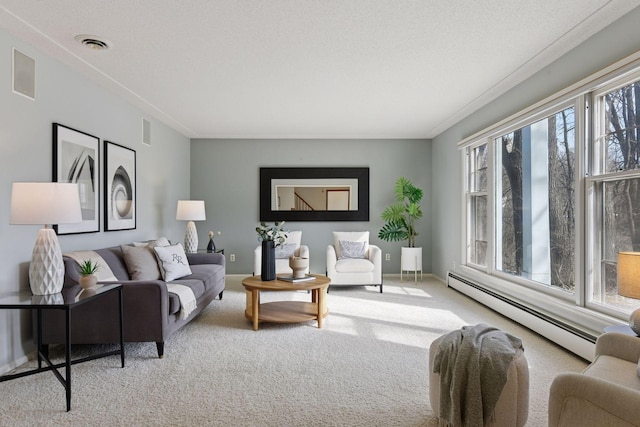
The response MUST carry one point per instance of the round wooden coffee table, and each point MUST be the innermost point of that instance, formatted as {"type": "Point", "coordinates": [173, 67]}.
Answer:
{"type": "Point", "coordinates": [286, 311]}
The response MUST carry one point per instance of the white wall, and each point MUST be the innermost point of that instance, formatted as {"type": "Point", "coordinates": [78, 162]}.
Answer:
{"type": "Point", "coordinates": [225, 173]}
{"type": "Point", "coordinates": [66, 97]}
{"type": "Point", "coordinates": [613, 43]}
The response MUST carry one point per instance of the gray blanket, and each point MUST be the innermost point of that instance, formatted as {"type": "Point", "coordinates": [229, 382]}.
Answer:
{"type": "Point", "coordinates": [473, 364]}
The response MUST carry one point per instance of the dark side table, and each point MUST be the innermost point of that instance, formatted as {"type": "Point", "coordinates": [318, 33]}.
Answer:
{"type": "Point", "coordinates": [66, 300]}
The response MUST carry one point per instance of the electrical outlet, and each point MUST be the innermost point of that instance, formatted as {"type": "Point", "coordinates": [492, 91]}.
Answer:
{"type": "Point", "coordinates": [387, 257]}
{"type": "Point", "coordinates": [232, 257]}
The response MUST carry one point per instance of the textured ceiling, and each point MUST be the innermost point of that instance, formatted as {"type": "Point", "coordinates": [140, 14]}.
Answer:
{"type": "Point", "coordinates": [310, 68]}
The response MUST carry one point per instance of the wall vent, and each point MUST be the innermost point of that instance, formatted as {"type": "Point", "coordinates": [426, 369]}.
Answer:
{"type": "Point", "coordinates": [24, 74]}
{"type": "Point", "coordinates": [146, 132]}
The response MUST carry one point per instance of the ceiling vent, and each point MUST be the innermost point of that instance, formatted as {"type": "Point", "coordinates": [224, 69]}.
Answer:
{"type": "Point", "coordinates": [92, 42]}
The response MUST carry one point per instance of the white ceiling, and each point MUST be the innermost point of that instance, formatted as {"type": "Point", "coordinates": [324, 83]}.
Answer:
{"type": "Point", "coordinates": [310, 68]}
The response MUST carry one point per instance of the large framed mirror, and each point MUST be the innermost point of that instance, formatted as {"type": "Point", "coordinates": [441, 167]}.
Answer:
{"type": "Point", "coordinates": [314, 194]}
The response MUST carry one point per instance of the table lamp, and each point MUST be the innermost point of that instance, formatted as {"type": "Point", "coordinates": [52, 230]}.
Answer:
{"type": "Point", "coordinates": [191, 210]}
{"type": "Point", "coordinates": [45, 203]}
{"type": "Point", "coordinates": [629, 283]}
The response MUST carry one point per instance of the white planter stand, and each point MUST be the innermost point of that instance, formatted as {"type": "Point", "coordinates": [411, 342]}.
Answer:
{"type": "Point", "coordinates": [411, 260]}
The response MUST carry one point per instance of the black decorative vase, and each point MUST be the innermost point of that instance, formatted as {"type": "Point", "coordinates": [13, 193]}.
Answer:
{"type": "Point", "coordinates": [211, 247]}
{"type": "Point", "coordinates": [268, 260]}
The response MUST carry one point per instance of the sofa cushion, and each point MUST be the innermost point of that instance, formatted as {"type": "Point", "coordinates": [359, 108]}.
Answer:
{"type": "Point", "coordinates": [172, 261]}
{"type": "Point", "coordinates": [161, 241]}
{"type": "Point", "coordinates": [141, 262]}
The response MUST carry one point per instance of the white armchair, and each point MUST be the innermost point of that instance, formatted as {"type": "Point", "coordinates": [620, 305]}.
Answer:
{"type": "Point", "coordinates": [291, 246]}
{"type": "Point", "coordinates": [351, 260]}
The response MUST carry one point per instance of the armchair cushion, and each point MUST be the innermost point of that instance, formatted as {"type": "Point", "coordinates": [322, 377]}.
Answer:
{"type": "Point", "coordinates": [350, 236]}
{"type": "Point", "coordinates": [351, 249]}
{"type": "Point", "coordinates": [286, 250]}
{"type": "Point", "coordinates": [354, 265]}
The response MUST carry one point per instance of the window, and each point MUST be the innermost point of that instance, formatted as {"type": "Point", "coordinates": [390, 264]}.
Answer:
{"type": "Point", "coordinates": [616, 185]}
{"type": "Point", "coordinates": [553, 195]}
{"type": "Point", "coordinates": [535, 224]}
{"type": "Point", "coordinates": [477, 186]}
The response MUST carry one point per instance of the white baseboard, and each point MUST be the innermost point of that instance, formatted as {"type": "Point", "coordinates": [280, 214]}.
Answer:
{"type": "Point", "coordinates": [579, 343]}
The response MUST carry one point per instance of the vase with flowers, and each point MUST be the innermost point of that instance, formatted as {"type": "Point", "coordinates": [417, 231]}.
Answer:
{"type": "Point", "coordinates": [211, 247]}
{"type": "Point", "coordinates": [271, 237]}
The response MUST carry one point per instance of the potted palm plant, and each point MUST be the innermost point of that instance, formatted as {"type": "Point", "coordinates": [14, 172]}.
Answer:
{"type": "Point", "coordinates": [400, 223]}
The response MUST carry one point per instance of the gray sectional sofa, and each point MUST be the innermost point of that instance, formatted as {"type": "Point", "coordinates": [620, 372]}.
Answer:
{"type": "Point", "coordinates": [151, 313]}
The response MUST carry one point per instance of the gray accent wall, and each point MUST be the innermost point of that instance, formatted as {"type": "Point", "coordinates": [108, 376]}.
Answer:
{"type": "Point", "coordinates": [65, 96]}
{"type": "Point", "coordinates": [615, 42]}
{"type": "Point", "coordinates": [225, 173]}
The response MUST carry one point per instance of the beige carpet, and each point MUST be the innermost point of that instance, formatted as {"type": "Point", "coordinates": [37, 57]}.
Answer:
{"type": "Point", "coordinates": [368, 366]}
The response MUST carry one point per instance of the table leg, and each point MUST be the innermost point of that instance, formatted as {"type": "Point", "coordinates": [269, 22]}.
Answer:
{"type": "Point", "coordinates": [39, 338]}
{"type": "Point", "coordinates": [255, 303]}
{"type": "Point", "coordinates": [320, 303]}
{"type": "Point", "coordinates": [121, 326]}
{"type": "Point", "coordinates": [68, 359]}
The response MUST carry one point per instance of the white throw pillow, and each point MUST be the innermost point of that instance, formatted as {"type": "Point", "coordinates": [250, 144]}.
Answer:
{"type": "Point", "coordinates": [351, 249]}
{"type": "Point", "coordinates": [172, 261]}
{"type": "Point", "coordinates": [162, 241]}
{"type": "Point", "coordinates": [351, 236]}
{"type": "Point", "coordinates": [285, 250]}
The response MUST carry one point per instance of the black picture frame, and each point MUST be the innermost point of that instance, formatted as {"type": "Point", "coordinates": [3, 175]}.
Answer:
{"type": "Point", "coordinates": [268, 174]}
{"type": "Point", "coordinates": [119, 187]}
{"type": "Point", "coordinates": [76, 159]}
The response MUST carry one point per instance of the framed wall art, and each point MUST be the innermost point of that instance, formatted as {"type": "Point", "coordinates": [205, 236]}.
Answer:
{"type": "Point", "coordinates": [75, 160]}
{"type": "Point", "coordinates": [119, 187]}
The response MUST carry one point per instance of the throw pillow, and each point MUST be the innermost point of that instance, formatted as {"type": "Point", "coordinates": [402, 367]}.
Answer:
{"type": "Point", "coordinates": [351, 249]}
{"type": "Point", "coordinates": [285, 250]}
{"type": "Point", "coordinates": [638, 368]}
{"type": "Point", "coordinates": [162, 241]}
{"type": "Point", "coordinates": [141, 262]}
{"type": "Point", "coordinates": [173, 262]}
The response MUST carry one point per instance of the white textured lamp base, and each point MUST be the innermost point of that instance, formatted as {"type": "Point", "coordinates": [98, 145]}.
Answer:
{"type": "Point", "coordinates": [46, 271]}
{"type": "Point", "coordinates": [191, 238]}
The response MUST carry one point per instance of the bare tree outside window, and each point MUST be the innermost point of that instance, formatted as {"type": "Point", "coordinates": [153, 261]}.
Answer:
{"type": "Point", "coordinates": [620, 196]}
{"type": "Point", "coordinates": [536, 204]}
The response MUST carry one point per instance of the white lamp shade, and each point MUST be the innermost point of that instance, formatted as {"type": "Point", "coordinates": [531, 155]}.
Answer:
{"type": "Point", "coordinates": [45, 203]}
{"type": "Point", "coordinates": [629, 274]}
{"type": "Point", "coordinates": [190, 210]}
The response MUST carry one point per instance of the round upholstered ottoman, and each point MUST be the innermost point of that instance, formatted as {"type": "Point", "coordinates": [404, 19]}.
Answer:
{"type": "Point", "coordinates": [512, 408]}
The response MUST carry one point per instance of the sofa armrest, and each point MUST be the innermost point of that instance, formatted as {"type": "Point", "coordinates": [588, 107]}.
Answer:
{"type": "Point", "coordinates": [206, 258]}
{"type": "Point", "coordinates": [580, 400]}
{"type": "Point", "coordinates": [619, 345]}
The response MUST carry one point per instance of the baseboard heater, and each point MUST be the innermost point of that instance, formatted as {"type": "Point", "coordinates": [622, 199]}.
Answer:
{"type": "Point", "coordinates": [563, 334]}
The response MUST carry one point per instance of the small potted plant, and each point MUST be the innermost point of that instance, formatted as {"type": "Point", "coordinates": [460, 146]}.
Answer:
{"type": "Point", "coordinates": [271, 236]}
{"type": "Point", "coordinates": [400, 223]}
{"type": "Point", "coordinates": [88, 268]}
